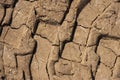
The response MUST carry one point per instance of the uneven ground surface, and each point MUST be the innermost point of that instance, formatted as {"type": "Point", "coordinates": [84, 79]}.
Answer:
{"type": "Point", "coordinates": [59, 39]}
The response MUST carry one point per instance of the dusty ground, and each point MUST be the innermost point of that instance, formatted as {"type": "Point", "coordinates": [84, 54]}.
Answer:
{"type": "Point", "coordinates": [59, 40]}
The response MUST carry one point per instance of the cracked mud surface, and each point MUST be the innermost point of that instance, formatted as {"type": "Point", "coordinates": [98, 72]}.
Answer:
{"type": "Point", "coordinates": [59, 40]}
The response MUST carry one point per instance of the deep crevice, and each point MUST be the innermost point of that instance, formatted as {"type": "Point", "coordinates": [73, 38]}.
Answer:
{"type": "Point", "coordinates": [67, 41]}
{"type": "Point", "coordinates": [35, 28]}
{"type": "Point", "coordinates": [82, 5]}
{"type": "Point", "coordinates": [98, 64]}
{"type": "Point", "coordinates": [1, 26]}
{"type": "Point", "coordinates": [97, 43]}
{"type": "Point", "coordinates": [66, 12]}
{"type": "Point", "coordinates": [34, 51]}
{"type": "Point", "coordinates": [5, 6]}
{"type": "Point", "coordinates": [23, 75]}
{"type": "Point", "coordinates": [47, 70]}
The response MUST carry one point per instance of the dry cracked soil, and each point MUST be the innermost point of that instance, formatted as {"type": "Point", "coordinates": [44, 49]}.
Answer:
{"type": "Point", "coordinates": [59, 40]}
